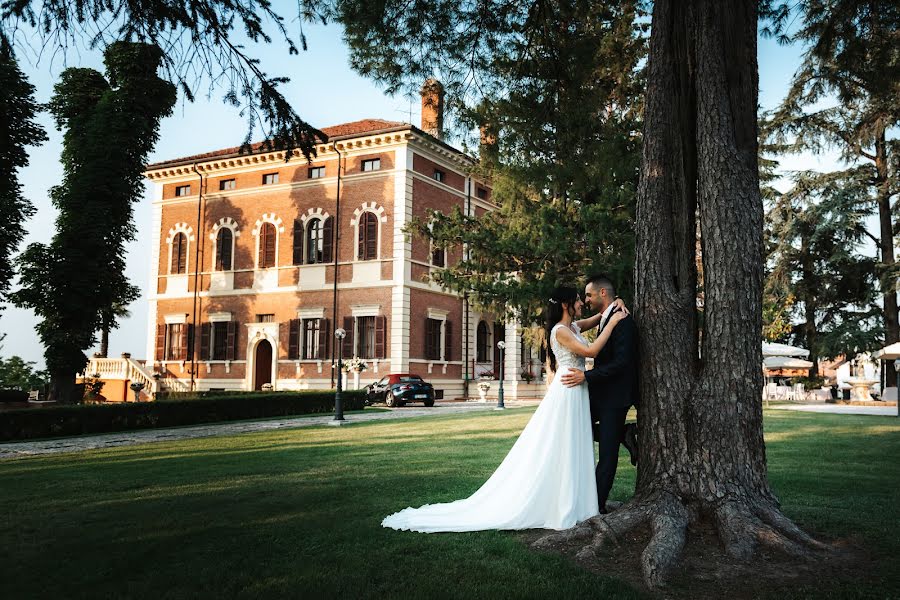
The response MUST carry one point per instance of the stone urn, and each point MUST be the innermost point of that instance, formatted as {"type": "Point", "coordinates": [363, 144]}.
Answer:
{"type": "Point", "coordinates": [483, 388]}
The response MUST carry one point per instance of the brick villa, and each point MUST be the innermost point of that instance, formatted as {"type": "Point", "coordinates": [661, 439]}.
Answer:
{"type": "Point", "coordinates": [256, 261]}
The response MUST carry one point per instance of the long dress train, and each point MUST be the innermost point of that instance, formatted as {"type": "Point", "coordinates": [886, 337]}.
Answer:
{"type": "Point", "coordinates": [547, 479]}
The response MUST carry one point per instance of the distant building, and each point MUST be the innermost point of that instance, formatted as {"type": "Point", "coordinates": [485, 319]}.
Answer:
{"type": "Point", "coordinates": [257, 260]}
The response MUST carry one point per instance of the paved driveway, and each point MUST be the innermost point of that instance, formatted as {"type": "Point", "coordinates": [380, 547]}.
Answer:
{"type": "Point", "coordinates": [146, 436]}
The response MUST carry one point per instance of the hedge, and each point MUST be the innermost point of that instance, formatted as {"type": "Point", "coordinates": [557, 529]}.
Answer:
{"type": "Point", "coordinates": [13, 396]}
{"type": "Point", "coordinates": [61, 421]}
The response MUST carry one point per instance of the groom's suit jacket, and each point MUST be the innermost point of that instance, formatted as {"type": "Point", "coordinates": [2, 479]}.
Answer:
{"type": "Point", "coordinates": [613, 382]}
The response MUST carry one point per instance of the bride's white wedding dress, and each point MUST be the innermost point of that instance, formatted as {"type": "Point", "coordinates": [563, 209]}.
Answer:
{"type": "Point", "coordinates": [547, 479]}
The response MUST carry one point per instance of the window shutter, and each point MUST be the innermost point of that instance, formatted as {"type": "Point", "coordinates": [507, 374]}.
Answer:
{"type": "Point", "coordinates": [327, 241]}
{"type": "Point", "coordinates": [371, 237]}
{"type": "Point", "coordinates": [380, 328]}
{"type": "Point", "coordinates": [232, 341]}
{"type": "Point", "coordinates": [361, 246]}
{"type": "Point", "coordinates": [223, 250]}
{"type": "Point", "coordinates": [204, 340]}
{"type": "Point", "coordinates": [267, 245]}
{"type": "Point", "coordinates": [294, 339]}
{"type": "Point", "coordinates": [187, 339]}
{"type": "Point", "coordinates": [298, 242]}
{"type": "Point", "coordinates": [349, 349]}
{"type": "Point", "coordinates": [160, 342]}
{"type": "Point", "coordinates": [448, 340]}
{"type": "Point", "coordinates": [179, 254]}
{"type": "Point", "coordinates": [429, 339]}
{"type": "Point", "coordinates": [325, 334]}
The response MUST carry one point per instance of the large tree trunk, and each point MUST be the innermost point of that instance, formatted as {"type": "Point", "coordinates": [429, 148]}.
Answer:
{"type": "Point", "coordinates": [62, 387]}
{"type": "Point", "coordinates": [885, 218]}
{"type": "Point", "coordinates": [702, 454]}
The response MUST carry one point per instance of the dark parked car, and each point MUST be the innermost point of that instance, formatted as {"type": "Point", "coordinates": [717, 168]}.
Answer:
{"type": "Point", "coordinates": [399, 388]}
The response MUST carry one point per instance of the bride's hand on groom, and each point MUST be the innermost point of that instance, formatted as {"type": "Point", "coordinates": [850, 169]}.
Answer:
{"type": "Point", "coordinates": [572, 378]}
{"type": "Point", "coordinates": [619, 306]}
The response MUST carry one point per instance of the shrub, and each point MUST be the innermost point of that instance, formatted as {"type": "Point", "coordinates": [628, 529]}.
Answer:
{"type": "Point", "coordinates": [13, 396]}
{"type": "Point", "coordinates": [29, 423]}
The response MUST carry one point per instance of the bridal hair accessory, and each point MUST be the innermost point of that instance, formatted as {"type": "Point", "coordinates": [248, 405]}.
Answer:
{"type": "Point", "coordinates": [554, 301]}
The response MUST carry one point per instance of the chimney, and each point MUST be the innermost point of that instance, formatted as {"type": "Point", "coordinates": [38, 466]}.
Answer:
{"type": "Point", "coordinates": [433, 108]}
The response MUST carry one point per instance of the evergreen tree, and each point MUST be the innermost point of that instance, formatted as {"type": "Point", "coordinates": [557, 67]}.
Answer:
{"type": "Point", "coordinates": [18, 130]}
{"type": "Point", "coordinates": [561, 148]}
{"type": "Point", "coordinates": [110, 128]}
{"type": "Point", "coordinates": [703, 455]}
{"type": "Point", "coordinates": [846, 96]}
{"type": "Point", "coordinates": [816, 233]}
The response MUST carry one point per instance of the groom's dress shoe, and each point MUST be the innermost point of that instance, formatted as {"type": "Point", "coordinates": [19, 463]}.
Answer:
{"type": "Point", "coordinates": [630, 441]}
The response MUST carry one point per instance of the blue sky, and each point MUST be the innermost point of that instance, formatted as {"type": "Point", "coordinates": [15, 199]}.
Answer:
{"type": "Point", "coordinates": [324, 90]}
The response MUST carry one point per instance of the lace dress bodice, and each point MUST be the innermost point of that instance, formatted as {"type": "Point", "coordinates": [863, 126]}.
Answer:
{"type": "Point", "coordinates": [565, 358]}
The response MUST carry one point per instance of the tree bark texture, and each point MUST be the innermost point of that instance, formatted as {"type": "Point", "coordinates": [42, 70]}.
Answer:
{"type": "Point", "coordinates": [885, 218]}
{"type": "Point", "coordinates": [702, 454]}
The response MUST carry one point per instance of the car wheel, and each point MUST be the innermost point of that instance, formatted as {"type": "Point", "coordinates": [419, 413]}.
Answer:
{"type": "Point", "coordinates": [429, 403]}
{"type": "Point", "coordinates": [390, 401]}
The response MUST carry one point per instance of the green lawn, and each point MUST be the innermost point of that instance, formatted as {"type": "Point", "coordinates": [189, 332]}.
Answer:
{"type": "Point", "coordinates": [297, 512]}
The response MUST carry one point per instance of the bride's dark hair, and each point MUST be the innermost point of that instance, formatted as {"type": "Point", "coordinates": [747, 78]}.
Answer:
{"type": "Point", "coordinates": [562, 294]}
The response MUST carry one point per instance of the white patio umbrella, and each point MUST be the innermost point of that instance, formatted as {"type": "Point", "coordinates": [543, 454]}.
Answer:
{"type": "Point", "coordinates": [892, 352]}
{"type": "Point", "coordinates": [786, 362]}
{"type": "Point", "coordinates": [769, 349]}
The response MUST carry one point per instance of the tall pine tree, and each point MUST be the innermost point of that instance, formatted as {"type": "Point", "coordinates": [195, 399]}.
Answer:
{"type": "Point", "coordinates": [846, 96]}
{"type": "Point", "coordinates": [18, 130]}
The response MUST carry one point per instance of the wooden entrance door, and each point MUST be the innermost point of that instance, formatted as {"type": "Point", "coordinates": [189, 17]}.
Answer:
{"type": "Point", "coordinates": [263, 370]}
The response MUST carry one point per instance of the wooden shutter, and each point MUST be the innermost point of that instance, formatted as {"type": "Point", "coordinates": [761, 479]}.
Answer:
{"type": "Point", "coordinates": [349, 349]}
{"type": "Point", "coordinates": [186, 339]}
{"type": "Point", "coordinates": [361, 245]}
{"type": "Point", "coordinates": [161, 341]}
{"type": "Point", "coordinates": [371, 237]}
{"type": "Point", "coordinates": [204, 341]}
{"type": "Point", "coordinates": [179, 254]}
{"type": "Point", "coordinates": [298, 242]}
{"type": "Point", "coordinates": [427, 348]}
{"type": "Point", "coordinates": [448, 341]}
{"type": "Point", "coordinates": [223, 250]}
{"type": "Point", "coordinates": [324, 335]}
{"type": "Point", "coordinates": [294, 339]}
{"type": "Point", "coordinates": [327, 240]}
{"type": "Point", "coordinates": [267, 245]}
{"type": "Point", "coordinates": [232, 341]}
{"type": "Point", "coordinates": [380, 330]}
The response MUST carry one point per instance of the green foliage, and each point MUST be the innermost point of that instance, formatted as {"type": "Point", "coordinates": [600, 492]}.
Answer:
{"type": "Point", "coordinates": [18, 130]}
{"type": "Point", "coordinates": [817, 276]}
{"type": "Point", "coordinates": [19, 374]}
{"type": "Point", "coordinates": [846, 96]}
{"type": "Point", "coordinates": [110, 128]}
{"type": "Point", "coordinates": [92, 387]}
{"type": "Point", "coordinates": [81, 419]}
{"type": "Point", "coordinates": [557, 89]}
{"type": "Point", "coordinates": [202, 47]}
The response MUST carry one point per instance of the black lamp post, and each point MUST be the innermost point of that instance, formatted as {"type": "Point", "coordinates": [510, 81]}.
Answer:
{"type": "Point", "coordinates": [897, 371]}
{"type": "Point", "coordinates": [502, 346]}
{"type": "Point", "coordinates": [339, 333]}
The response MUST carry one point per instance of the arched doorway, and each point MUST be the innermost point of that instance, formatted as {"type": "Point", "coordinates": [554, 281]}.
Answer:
{"type": "Point", "coordinates": [262, 364]}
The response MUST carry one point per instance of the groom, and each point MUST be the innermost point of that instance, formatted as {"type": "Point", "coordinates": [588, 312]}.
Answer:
{"type": "Point", "coordinates": [612, 384]}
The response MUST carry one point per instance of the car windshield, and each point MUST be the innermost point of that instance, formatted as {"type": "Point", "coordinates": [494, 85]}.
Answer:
{"type": "Point", "coordinates": [411, 379]}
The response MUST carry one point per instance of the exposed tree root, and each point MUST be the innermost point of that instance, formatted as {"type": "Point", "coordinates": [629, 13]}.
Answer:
{"type": "Point", "coordinates": [669, 521]}
{"type": "Point", "coordinates": [742, 527]}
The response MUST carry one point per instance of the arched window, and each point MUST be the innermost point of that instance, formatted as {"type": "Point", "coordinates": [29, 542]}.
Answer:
{"type": "Point", "coordinates": [224, 241]}
{"type": "Point", "coordinates": [267, 245]}
{"type": "Point", "coordinates": [368, 237]}
{"type": "Point", "coordinates": [179, 254]}
{"type": "Point", "coordinates": [482, 343]}
{"type": "Point", "coordinates": [319, 234]}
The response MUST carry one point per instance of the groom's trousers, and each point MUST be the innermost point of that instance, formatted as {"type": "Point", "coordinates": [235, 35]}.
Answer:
{"type": "Point", "coordinates": [610, 430]}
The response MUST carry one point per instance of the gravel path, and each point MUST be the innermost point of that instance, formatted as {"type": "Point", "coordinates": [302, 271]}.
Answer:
{"type": "Point", "coordinates": [839, 409]}
{"type": "Point", "coordinates": [147, 436]}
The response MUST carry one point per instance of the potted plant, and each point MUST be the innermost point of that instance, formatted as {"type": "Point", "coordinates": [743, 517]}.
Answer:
{"type": "Point", "coordinates": [527, 376]}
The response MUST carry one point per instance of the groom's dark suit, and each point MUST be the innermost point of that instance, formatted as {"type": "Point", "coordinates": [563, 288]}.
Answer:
{"type": "Point", "coordinates": [613, 389]}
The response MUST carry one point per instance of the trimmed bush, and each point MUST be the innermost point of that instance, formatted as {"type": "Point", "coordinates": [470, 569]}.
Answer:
{"type": "Point", "coordinates": [60, 421]}
{"type": "Point", "coordinates": [13, 396]}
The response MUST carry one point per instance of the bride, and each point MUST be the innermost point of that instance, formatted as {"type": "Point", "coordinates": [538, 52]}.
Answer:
{"type": "Point", "coordinates": [547, 479]}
